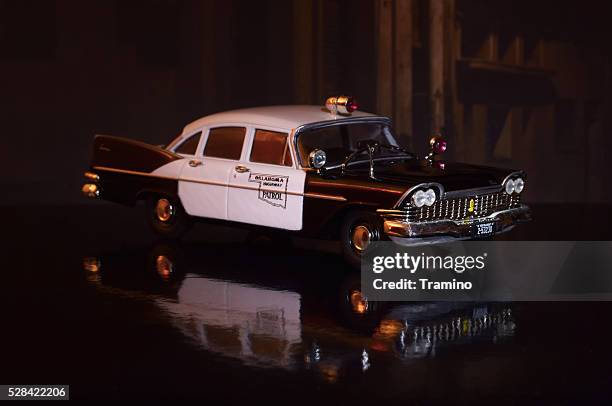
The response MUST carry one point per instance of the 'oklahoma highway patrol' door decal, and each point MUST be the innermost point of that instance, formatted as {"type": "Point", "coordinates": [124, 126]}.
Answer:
{"type": "Point", "coordinates": [272, 188]}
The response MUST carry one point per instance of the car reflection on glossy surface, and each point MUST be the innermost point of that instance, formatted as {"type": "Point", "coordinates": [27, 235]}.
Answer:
{"type": "Point", "coordinates": [288, 323]}
{"type": "Point", "coordinates": [91, 300]}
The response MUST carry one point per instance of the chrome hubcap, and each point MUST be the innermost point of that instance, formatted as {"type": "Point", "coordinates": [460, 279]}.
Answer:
{"type": "Point", "coordinates": [361, 238]}
{"type": "Point", "coordinates": [164, 210]}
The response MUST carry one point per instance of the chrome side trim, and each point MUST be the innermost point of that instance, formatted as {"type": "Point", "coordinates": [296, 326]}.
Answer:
{"type": "Point", "coordinates": [326, 197]}
{"type": "Point", "coordinates": [129, 172]}
{"type": "Point", "coordinates": [92, 176]}
{"type": "Point", "coordinates": [205, 182]}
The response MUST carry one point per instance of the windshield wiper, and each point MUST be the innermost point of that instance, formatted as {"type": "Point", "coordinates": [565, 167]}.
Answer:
{"type": "Point", "coordinates": [371, 147]}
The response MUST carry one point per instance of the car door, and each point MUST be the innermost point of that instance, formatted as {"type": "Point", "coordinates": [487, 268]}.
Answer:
{"type": "Point", "coordinates": [267, 188]}
{"type": "Point", "coordinates": [203, 182]}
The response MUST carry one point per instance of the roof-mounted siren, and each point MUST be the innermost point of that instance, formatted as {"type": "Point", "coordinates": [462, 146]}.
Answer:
{"type": "Point", "coordinates": [343, 105]}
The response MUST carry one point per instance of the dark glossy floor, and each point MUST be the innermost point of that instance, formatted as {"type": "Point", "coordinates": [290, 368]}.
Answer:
{"type": "Point", "coordinates": [91, 299]}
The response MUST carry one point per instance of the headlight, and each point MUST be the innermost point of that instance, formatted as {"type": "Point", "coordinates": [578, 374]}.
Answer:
{"type": "Point", "coordinates": [430, 197]}
{"type": "Point", "coordinates": [509, 186]}
{"type": "Point", "coordinates": [419, 198]}
{"type": "Point", "coordinates": [519, 185]}
{"type": "Point", "coordinates": [424, 197]}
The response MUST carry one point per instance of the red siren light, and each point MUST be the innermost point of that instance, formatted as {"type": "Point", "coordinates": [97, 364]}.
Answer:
{"type": "Point", "coordinates": [352, 105]}
{"type": "Point", "coordinates": [437, 144]}
{"type": "Point", "coordinates": [343, 105]}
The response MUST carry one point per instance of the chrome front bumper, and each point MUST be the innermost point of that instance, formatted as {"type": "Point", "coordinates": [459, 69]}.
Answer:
{"type": "Point", "coordinates": [402, 231]}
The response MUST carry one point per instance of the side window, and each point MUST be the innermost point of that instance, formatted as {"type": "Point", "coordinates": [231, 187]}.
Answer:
{"type": "Point", "coordinates": [189, 146]}
{"type": "Point", "coordinates": [271, 147]}
{"type": "Point", "coordinates": [225, 142]}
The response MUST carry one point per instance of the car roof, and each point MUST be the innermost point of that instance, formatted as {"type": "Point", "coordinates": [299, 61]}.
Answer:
{"type": "Point", "coordinates": [282, 117]}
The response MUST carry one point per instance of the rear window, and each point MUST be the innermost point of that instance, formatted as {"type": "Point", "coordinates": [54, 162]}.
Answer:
{"type": "Point", "coordinates": [225, 142]}
{"type": "Point", "coordinates": [271, 147]}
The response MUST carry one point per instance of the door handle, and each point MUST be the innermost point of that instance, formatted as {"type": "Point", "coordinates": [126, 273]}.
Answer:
{"type": "Point", "coordinates": [193, 163]}
{"type": "Point", "coordinates": [241, 169]}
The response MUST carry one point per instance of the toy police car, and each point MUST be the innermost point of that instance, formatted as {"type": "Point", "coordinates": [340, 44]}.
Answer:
{"type": "Point", "coordinates": [333, 172]}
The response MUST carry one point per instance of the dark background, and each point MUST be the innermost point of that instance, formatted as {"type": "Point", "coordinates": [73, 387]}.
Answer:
{"type": "Point", "coordinates": [519, 84]}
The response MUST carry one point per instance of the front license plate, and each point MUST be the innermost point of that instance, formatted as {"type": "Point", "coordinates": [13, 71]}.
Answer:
{"type": "Point", "coordinates": [484, 229]}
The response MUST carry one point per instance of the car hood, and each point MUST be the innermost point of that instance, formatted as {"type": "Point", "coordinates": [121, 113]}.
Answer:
{"type": "Point", "coordinates": [451, 175]}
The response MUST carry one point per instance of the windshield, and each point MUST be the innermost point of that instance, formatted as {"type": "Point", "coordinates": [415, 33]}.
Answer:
{"type": "Point", "coordinates": [339, 141]}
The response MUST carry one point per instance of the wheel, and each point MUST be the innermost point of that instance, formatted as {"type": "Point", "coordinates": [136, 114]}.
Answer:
{"type": "Point", "coordinates": [167, 217]}
{"type": "Point", "coordinates": [360, 229]}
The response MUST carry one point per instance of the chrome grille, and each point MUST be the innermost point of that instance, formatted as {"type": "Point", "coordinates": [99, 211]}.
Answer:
{"type": "Point", "coordinates": [458, 208]}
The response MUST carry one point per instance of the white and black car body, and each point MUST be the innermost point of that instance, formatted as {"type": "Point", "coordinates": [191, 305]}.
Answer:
{"type": "Point", "coordinates": [308, 170]}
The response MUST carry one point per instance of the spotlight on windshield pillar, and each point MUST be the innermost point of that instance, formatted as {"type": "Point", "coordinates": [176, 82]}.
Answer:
{"type": "Point", "coordinates": [343, 105]}
{"type": "Point", "coordinates": [317, 158]}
